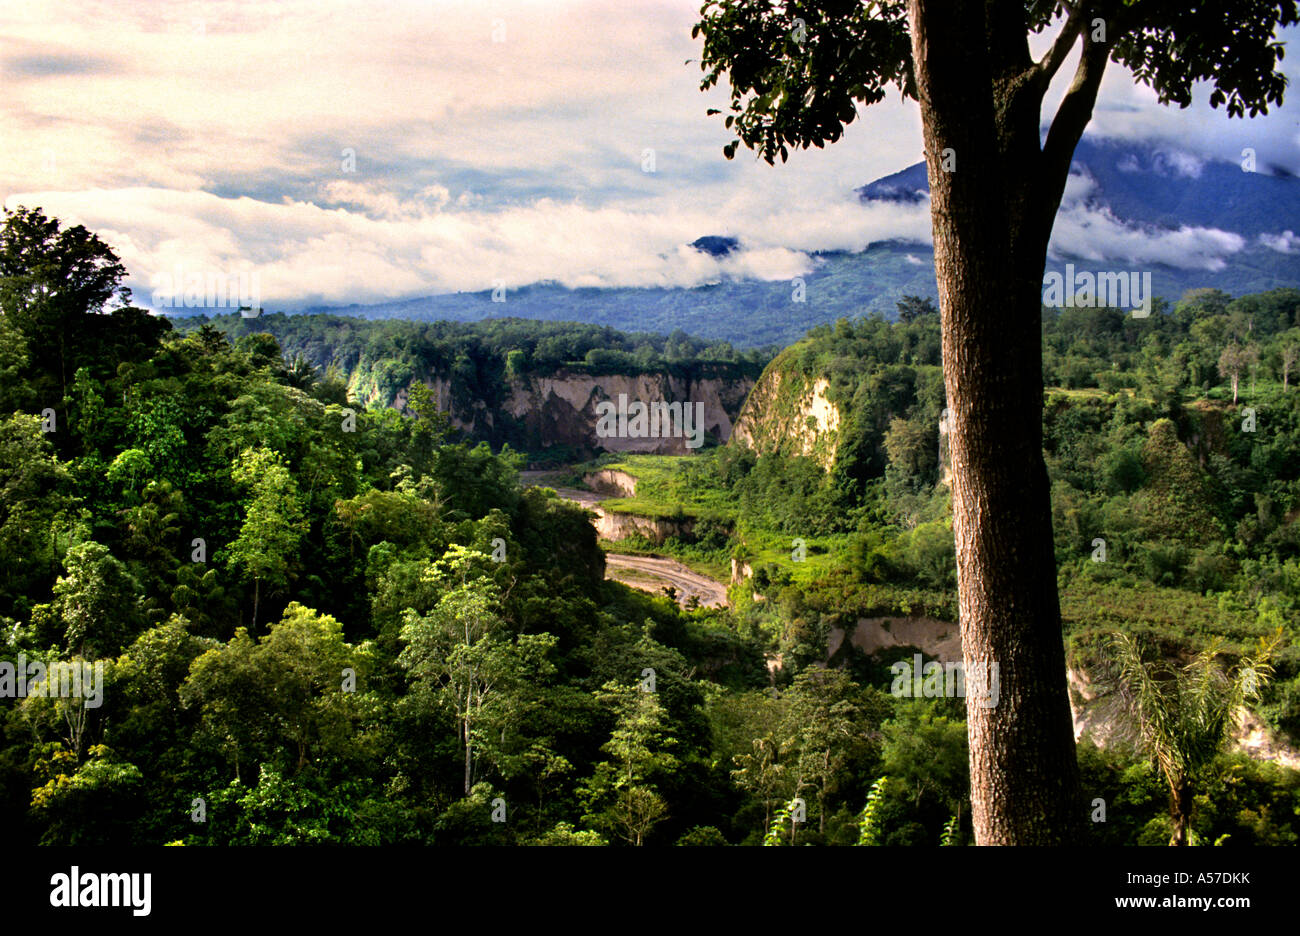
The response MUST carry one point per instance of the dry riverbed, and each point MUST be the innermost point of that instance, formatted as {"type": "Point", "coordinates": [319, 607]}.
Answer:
{"type": "Point", "coordinates": [648, 573]}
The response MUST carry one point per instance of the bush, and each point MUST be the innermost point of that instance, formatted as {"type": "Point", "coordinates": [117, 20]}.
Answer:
{"type": "Point", "coordinates": [703, 835]}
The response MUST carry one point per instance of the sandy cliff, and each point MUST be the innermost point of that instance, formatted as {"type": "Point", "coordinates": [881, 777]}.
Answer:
{"type": "Point", "coordinates": [541, 411]}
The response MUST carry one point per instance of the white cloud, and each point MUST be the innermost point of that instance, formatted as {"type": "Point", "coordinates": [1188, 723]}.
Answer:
{"type": "Point", "coordinates": [1286, 242]}
{"type": "Point", "coordinates": [1174, 162]}
{"type": "Point", "coordinates": [1097, 235]}
{"type": "Point", "coordinates": [212, 136]}
{"type": "Point", "coordinates": [1079, 186]}
{"type": "Point", "coordinates": [302, 252]}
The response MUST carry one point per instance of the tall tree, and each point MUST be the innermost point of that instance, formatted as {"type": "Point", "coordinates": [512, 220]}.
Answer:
{"type": "Point", "coordinates": [431, 425]}
{"type": "Point", "coordinates": [911, 308]}
{"type": "Point", "coordinates": [51, 278]}
{"type": "Point", "coordinates": [33, 493]}
{"type": "Point", "coordinates": [822, 722]}
{"type": "Point", "coordinates": [280, 698]}
{"type": "Point", "coordinates": [622, 794]}
{"type": "Point", "coordinates": [797, 72]}
{"type": "Point", "coordinates": [1290, 354]}
{"type": "Point", "coordinates": [273, 522]}
{"type": "Point", "coordinates": [761, 775]}
{"type": "Point", "coordinates": [462, 660]}
{"type": "Point", "coordinates": [1235, 359]}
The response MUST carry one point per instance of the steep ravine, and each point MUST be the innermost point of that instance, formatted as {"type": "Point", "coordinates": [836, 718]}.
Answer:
{"type": "Point", "coordinates": [647, 573]}
{"type": "Point", "coordinates": [541, 411]}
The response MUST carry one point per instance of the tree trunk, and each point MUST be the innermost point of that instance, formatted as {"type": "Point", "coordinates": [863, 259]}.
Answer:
{"type": "Point", "coordinates": [1180, 810]}
{"type": "Point", "coordinates": [991, 229]}
{"type": "Point", "coordinates": [257, 593]}
{"type": "Point", "coordinates": [469, 760]}
{"type": "Point", "coordinates": [821, 794]}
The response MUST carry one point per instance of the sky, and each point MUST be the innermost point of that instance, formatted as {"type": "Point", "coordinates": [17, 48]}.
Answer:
{"type": "Point", "coordinates": [343, 152]}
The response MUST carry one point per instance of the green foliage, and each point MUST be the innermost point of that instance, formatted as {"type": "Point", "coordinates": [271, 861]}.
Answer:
{"type": "Point", "coordinates": [95, 601]}
{"type": "Point", "coordinates": [284, 698]}
{"type": "Point", "coordinates": [273, 522]}
{"type": "Point", "coordinates": [430, 643]}
{"type": "Point", "coordinates": [565, 835]}
{"type": "Point", "coordinates": [33, 499]}
{"type": "Point", "coordinates": [54, 282]}
{"type": "Point", "coordinates": [1180, 718]}
{"type": "Point", "coordinates": [868, 822]}
{"type": "Point", "coordinates": [924, 753]}
{"type": "Point", "coordinates": [89, 805]}
{"type": "Point", "coordinates": [622, 795]}
{"type": "Point", "coordinates": [480, 361]}
{"type": "Point", "coordinates": [462, 662]}
{"type": "Point", "coordinates": [777, 831]}
{"type": "Point", "coordinates": [706, 836]}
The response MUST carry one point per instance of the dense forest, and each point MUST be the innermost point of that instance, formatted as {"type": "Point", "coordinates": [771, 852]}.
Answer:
{"type": "Point", "coordinates": [1175, 506]}
{"type": "Point", "coordinates": [381, 358]}
{"type": "Point", "coordinates": [325, 623]}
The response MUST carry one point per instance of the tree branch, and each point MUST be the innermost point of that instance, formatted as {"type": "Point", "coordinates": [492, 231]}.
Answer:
{"type": "Point", "coordinates": [1050, 63]}
{"type": "Point", "coordinates": [1068, 125]}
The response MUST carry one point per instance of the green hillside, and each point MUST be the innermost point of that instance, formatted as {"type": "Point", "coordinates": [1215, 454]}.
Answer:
{"type": "Point", "coordinates": [315, 621]}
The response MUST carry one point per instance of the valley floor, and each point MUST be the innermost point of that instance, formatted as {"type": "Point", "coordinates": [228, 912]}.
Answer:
{"type": "Point", "coordinates": [648, 573]}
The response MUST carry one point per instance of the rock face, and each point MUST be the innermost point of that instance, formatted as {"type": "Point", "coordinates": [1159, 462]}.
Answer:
{"type": "Point", "coordinates": [560, 409]}
{"type": "Point", "coordinates": [789, 414]}
{"type": "Point", "coordinates": [611, 483]}
{"type": "Point", "coordinates": [945, 454]}
{"type": "Point", "coordinates": [938, 639]}
{"type": "Point", "coordinates": [617, 526]}
{"type": "Point", "coordinates": [941, 640]}
{"type": "Point", "coordinates": [461, 417]}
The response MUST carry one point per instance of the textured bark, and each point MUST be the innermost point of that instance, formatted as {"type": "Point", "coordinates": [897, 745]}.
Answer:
{"type": "Point", "coordinates": [991, 226]}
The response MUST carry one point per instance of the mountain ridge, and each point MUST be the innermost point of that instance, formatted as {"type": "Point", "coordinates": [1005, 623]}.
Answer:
{"type": "Point", "coordinates": [1202, 224]}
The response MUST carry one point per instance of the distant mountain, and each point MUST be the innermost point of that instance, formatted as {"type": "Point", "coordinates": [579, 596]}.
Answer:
{"type": "Point", "coordinates": [716, 246]}
{"type": "Point", "coordinates": [908, 187]}
{"type": "Point", "coordinates": [1118, 188]}
{"type": "Point", "coordinates": [1156, 187]}
{"type": "Point", "coordinates": [747, 313]}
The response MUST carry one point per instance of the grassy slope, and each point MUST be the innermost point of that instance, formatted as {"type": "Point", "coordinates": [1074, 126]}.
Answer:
{"type": "Point", "coordinates": [1089, 608]}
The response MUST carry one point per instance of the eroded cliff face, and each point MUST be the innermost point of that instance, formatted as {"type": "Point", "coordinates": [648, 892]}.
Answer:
{"type": "Point", "coordinates": [1096, 720]}
{"type": "Point", "coordinates": [562, 408]}
{"type": "Point", "coordinates": [541, 411]}
{"type": "Point", "coordinates": [938, 639]}
{"type": "Point", "coordinates": [476, 415]}
{"type": "Point", "coordinates": [789, 414]}
{"type": "Point", "coordinates": [617, 526]}
{"type": "Point", "coordinates": [611, 483]}
{"type": "Point", "coordinates": [941, 641]}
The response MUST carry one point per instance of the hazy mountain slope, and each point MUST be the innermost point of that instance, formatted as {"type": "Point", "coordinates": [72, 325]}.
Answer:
{"type": "Point", "coordinates": [1139, 187]}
